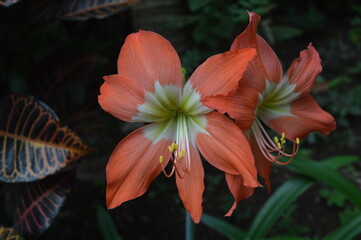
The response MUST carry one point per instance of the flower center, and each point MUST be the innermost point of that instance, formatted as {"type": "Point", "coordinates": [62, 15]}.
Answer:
{"type": "Point", "coordinates": [177, 115]}
{"type": "Point", "coordinates": [274, 102]}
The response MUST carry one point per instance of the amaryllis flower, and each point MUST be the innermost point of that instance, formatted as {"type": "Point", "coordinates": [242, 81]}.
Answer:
{"type": "Point", "coordinates": [149, 88]}
{"type": "Point", "coordinates": [282, 102]}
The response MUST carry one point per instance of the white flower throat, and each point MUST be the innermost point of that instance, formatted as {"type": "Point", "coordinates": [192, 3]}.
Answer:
{"type": "Point", "coordinates": [274, 102]}
{"type": "Point", "coordinates": [177, 115]}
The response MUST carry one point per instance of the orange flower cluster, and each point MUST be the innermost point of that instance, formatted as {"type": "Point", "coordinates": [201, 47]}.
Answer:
{"type": "Point", "coordinates": [187, 117]}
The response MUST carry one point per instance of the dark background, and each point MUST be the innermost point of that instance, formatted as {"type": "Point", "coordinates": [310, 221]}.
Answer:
{"type": "Point", "coordinates": [62, 62]}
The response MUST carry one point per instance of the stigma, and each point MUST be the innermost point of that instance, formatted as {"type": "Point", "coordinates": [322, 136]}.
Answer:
{"type": "Point", "coordinates": [177, 160]}
{"type": "Point", "coordinates": [274, 149]}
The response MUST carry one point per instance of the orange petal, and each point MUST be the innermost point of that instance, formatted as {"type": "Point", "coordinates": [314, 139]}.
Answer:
{"type": "Point", "coordinates": [240, 104]}
{"type": "Point", "coordinates": [266, 64]}
{"type": "Point", "coordinates": [309, 117]}
{"type": "Point", "coordinates": [120, 96]}
{"type": "Point", "coordinates": [304, 70]}
{"type": "Point", "coordinates": [225, 147]}
{"type": "Point", "coordinates": [264, 167]}
{"type": "Point", "coordinates": [238, 190]}
{"type": "Point", "coordinates": [191, 186]}
{"type": "Point", "coordinates": [132, 167]}
{"type": "Point", "coordinates": [147, 57]}
{"type": "Point", "coordinates": [221, 73]}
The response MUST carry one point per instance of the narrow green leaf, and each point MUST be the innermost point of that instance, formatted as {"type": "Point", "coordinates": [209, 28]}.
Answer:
{"type": "Point", "coordinates": [339, 161]}
{"type": "Point", "coordinates": [276, 205]}
{"type": "Point", "coordinates": [223, 227]}
{"type": "Point", "coordinates": [106, 225]}
{"type": "Point", "coordinates": [287, 193]}
{"type": "Point", "coordinates": [348, 230]}
{"type": "Point", "coordinates": [328, 176]}
{"type": "Point", "coordinates": [189, 227]}
{"type": "Point", "coordinates": [288, 238]}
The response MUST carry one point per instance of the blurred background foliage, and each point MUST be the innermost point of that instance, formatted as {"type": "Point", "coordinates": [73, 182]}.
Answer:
{"type": "Point", "coordinates": [58, 52]}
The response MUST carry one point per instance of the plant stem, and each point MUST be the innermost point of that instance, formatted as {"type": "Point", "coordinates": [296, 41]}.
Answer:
{"type": "Point", "coordinates": [189, 227]}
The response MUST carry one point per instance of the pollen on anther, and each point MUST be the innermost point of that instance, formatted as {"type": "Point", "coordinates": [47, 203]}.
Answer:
{"type": "Point", "coordinates": [161, 159]}
{"type": "Point", "coordinates": [171, 148]}
{"type": "Point", "coordinates": [276, 139]}
{"type": "Point", "coordinates": [283, 136]}
{"type": "Point", "coordinates": [297, 140]}
{"type": "Point", "coordinates": [279, 145]}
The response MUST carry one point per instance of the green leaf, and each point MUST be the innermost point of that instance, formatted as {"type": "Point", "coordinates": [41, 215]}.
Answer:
{"type": "Point", "coordinates": [285, 32]}
{"type": "Point", "coordinates": [287, 193]}
{"type": "Point", "coordinates": [106, 225]}
{"type": "Point", "coordinates": [223, 227]}
{"type": "Point", "coordinates": [276, 204]}
{"type": "Point", "coordinates": [330, 177]}
{"type": "Point", "coordinates": [288, 238]}
{"type": "Point", "coordinates": [194, 5]}
{"type": "Point", "coordinates": [339, 161]}
{"type": "Point", "coordinates": [348, 230]}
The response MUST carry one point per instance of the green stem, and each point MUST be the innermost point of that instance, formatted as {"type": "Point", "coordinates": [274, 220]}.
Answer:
{"type": "Point", "coordinates": [189, 227]}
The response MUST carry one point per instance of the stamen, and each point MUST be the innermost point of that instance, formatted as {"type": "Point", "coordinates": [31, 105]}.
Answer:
{"type": "Point", "coordinates": [161, 159]}
{"type": "Point", "coordinates": [171, 148]}
{"type": "Point", "coordinates": [268, 147]}
{"type": "Point", "coordinates": [176, 157]}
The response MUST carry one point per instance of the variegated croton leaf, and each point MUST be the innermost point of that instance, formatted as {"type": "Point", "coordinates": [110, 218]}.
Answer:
{"type": "Point", "coordinates": [84, 9]}
{"type": "Point", "coordinates": [33, 144]}
{"type": "Point", "coordinates": [39, 202]}
{"type": "Point", "coordinates": [9, 234]}
{"type": "Point", "coordinates": [7, 3]}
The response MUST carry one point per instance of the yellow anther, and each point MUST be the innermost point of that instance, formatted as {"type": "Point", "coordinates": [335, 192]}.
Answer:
{"type": "Point", "coordinates": [171, 148]}
{"type": "Point", "coordinates": [283, 142]}
{"type": "Point", "coordinates": [276, 139]}
{"type": "Point", "coordinates": [279, 145]}
{"type": "Point", "coordinates": [175, 146]}
{"type": "Point", "coordinates": [297, 140]}
{"type": "Point", "coordinates": [161, 159]}
{"type": "Point", "coordinates": [283, 136]}
{"type": "Point", "coordinates": [181, 154]}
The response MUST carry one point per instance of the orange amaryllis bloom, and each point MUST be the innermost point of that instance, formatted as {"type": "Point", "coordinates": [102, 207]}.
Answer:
{"type": "Point", "coordinates": [149, 88]}
{"type": "Point", "coordinates": [283, 103]}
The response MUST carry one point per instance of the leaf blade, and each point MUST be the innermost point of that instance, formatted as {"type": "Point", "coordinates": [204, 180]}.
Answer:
{"type": "Point", "coordinates": [106, 225]}
{"type": "Point", "coordinates": [223, 227]}
{"type": "Point", "coordinates": [33, 144]}
{"type": "Point", "coordinates": [347, 231]}
{"type": "Point", "coordinates": [85, 9]}
{"type": "Point", "coordinates": [9, 234]}
{"type": "Point", "coordinates": [276, 204]}
{"type": "Point", "coordinates": [328, 176]}
{"type": "Point", "coordinates": [38, 203]}
{"type": "Point", "coordinates": [270, 212]}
